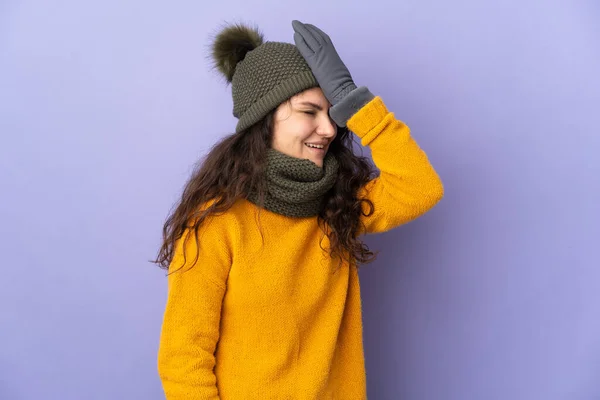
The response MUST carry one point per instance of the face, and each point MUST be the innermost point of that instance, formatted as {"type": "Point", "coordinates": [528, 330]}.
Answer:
{"type": "Point", "coordinates": [301, 121]}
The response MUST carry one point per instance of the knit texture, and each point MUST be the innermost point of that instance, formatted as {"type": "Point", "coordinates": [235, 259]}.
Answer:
{"type": "Point", "coordinates": [268, 75]}
{"type": "Point", "coordinates": [296, 186]}
{"type": "Point", "coordinates": [266, 313]}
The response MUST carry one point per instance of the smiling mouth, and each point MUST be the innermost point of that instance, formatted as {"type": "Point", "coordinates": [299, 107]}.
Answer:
{"type": "Point", "coordinates": [315, 148]}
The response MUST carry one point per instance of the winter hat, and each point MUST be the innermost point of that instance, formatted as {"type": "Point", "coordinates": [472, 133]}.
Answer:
{"type": "Point", "coordinates": [262, 74]}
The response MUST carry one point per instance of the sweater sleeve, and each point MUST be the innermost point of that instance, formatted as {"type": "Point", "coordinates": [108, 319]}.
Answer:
{"type": "Point", "coordinates": [190, 329]}
{"type": "Point", "coordinates": [407, 186]}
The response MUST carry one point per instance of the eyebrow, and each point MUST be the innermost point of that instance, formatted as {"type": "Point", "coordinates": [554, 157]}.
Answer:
{"type": "Point", "coordinates": [310, 103]}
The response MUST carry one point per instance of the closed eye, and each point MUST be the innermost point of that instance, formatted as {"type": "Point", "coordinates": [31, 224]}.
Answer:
{"type": "Point", "coordinates": [310, 112]}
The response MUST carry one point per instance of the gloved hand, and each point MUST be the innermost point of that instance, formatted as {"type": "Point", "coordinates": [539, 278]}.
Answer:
{"type": "Point", "coordinates": [331, 73]}
{"type": "Point", "coordinates": [326, 65]}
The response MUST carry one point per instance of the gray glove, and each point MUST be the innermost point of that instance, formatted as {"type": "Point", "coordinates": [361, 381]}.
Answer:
{"type": "Point", "coordinates": [330, 71]}
{"type": "Point", "coordinates": [327, 67]}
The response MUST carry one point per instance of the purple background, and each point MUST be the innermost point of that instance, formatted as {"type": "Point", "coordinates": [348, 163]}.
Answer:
{"type": "Point", "coordinates": [495, 294]}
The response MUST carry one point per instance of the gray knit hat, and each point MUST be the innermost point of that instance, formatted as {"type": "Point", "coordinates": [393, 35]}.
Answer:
{"type": "Point", "coordinates": [262, 74]}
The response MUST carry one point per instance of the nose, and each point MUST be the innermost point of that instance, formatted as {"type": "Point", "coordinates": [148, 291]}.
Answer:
{"type": "Point", "coordinates": [327, 127]}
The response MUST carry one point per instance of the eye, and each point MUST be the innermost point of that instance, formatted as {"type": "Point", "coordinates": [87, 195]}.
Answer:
{"type": "Point", "coordinates": [309, 112]}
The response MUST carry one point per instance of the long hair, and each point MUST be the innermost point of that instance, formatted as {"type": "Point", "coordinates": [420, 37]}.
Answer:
{"type": "Point", "coordinates": [235, 165]}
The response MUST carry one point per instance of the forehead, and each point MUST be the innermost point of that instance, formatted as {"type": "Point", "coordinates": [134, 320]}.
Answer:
{"type": "Point", "coordinates": [314, 95]}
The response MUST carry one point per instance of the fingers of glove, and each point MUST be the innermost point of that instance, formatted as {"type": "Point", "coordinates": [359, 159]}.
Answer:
{"type": "Point", "coordinates": [303, 48]}
{"type": "Point", "coordinates": [324, 37]}
{"type": "Point", "coordinates": [308, 36]}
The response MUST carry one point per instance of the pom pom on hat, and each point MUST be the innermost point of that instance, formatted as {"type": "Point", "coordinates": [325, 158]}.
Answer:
{"type": "Point", "coordinates": [231, 46]}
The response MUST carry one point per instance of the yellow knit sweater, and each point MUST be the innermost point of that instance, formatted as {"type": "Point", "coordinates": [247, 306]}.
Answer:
{"type": "Point", "coordinates": [266, 317]}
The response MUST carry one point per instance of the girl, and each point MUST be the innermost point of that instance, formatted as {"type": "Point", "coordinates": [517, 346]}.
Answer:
{"type": "Point", "coordinates": [263, 248]}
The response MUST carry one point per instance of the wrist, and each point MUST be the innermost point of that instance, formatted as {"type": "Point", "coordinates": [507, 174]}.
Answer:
{"type": "Point", "coordinates": [356, 99]}
{"type": "Point", "coordinates": [342, 92]}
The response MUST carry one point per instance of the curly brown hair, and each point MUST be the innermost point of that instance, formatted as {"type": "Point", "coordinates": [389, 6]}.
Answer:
{"type": "Point", "coordinates": [235, 165]}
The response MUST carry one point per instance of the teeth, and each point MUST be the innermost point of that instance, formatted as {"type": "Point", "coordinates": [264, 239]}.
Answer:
{"type": "Point", "coordinates": [318, 146]}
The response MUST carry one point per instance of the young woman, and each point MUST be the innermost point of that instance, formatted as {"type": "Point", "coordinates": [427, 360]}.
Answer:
{"type": "Point", "coordinates": [263, 248]}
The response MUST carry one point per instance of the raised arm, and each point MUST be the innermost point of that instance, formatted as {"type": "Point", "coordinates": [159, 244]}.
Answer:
{"type": "Point", "coordinates": [408, 186]}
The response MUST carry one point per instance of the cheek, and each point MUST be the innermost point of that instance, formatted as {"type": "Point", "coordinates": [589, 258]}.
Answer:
{"type": "Point", "coordinates": [300, 132]}
{"type": "Point", "coordinates": [294, 132]}
{"type": "Point", "coordinates": [307, 128]}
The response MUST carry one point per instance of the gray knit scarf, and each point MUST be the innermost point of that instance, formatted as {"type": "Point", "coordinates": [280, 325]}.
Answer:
{"type": "Point", "coordinates": [296, 186]}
